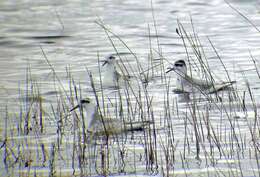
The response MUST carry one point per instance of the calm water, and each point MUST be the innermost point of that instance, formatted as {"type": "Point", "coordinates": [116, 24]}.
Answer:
{"type": "Point", "coordinates": [25, 25]}
{"type": "Point", "coordinates": [68, 34]}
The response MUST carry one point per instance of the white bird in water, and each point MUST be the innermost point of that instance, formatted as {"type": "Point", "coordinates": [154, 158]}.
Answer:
{"type": "Point", "coordinates": [186, 83]}
{"type": "Point", "coordinates": [112, 77]}
{"type": "Point", "coordinates": [98, 125]}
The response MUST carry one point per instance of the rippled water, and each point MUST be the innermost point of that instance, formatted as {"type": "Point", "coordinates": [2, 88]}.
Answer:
{"type": "Point", "coordinates": [68, 34]}
{"type": "Point", "coordinates": [25, 25]}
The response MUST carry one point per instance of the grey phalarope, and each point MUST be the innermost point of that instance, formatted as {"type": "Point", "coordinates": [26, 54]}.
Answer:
{"type": "Point", "coordinates": [112, 77]}
{"type": "Point", "coordinates": [98, 125]}
{"type": "Point", "coordinates": [186, 83]}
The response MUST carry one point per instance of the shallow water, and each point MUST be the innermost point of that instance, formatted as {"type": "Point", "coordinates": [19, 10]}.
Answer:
{"type": "Point", "coordinates": [69, 36]}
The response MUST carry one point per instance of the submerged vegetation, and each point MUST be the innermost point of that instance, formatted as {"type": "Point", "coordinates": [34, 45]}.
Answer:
{"type": "Point", "coordinates": [194, 133]}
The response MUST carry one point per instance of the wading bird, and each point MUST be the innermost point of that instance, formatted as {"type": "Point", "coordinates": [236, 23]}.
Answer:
{"type": "Point", "coordinates": [97, 125]}
{"type": "Point", "coordinates": [186, 83]}
{"type": "Point", "coordinates": [112, 77]}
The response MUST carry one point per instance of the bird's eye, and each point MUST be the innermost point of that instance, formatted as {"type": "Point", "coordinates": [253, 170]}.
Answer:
{"type": "Point", "coordinates": [178, 64]}
{"type": "Point", "coordinates": [111, 57]}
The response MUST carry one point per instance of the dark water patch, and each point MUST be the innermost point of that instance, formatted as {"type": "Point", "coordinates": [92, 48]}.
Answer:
{"type": "Point", "coordinates": [50, 93]}
{"type": "Point", "coordinates": [8, 9]}
{"type": "Point", "coordinates": [27, 31]}
{"type": "Point", "coordinates": [171, 44]}
{"type": "Point", "coordinates": [124, 53]}
{"type": "Point", "coordinates": [48, 42]}
{"type": "Point", "coordinates": [158, 36]}
{"type": "Point", "coordinates": [174, 11]}
{"type": "Point", "coordinates": [195, 3]}
{"type": "Point", "coordinates": [133, 26]}
{"type": "Point", "coordinates": [163, 2]}
{"type": "Point", "coordinates": [257, 87]}
{"type": "Point", "coordinates": [49, 37]}
{"type": "Point", "coordinates": [140, 9]}
{"type": "Point", "coordinates": [212, 58]}
{"type": "Point", "coordinates": [6, 43]}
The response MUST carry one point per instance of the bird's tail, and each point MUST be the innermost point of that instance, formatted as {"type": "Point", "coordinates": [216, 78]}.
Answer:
{"type": "Point", "coordinates": [221, 86]}
{"type": "Point", "coordinates": [137, 125]}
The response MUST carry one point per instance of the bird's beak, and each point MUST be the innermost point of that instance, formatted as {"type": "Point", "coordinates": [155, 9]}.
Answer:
{"type": "Point", "coordinates": [76, 107]}
{"type": "Point", "coordinates": [105, 62]}
{"type": "Point", "coordinates": [169, 70]}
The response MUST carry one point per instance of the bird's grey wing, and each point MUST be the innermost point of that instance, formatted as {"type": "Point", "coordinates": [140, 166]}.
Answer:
{"type": "Point", "coordinates": [115, 126]}
{"type": "Point", "coordinates": [220, 86]}
{"type": "Point", "coordinates": [202, 84]}
{"type": "Point", "coordinates": [136, 125]}
{"type": "Point", "coordinates": [106, 126]}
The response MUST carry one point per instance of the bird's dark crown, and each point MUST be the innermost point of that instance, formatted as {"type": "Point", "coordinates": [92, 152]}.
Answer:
{"type": "Point", "coordinates": [84, 101]}
{"type": "Point", "coordinates": [179, 63]}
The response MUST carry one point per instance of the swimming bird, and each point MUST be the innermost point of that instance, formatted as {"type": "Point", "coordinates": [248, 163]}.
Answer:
{"type": "Point", "coordinates": [186, 83]}
{"type": "Point", "coordinates": [112, 77]}
{"type": "Point", "coordinates": [97, 125]}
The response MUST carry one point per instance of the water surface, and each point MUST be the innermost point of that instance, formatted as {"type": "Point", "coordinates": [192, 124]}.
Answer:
{"type": "Point", "coordinates": [69, 36]}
